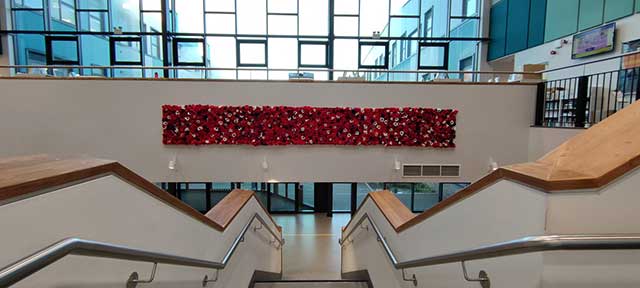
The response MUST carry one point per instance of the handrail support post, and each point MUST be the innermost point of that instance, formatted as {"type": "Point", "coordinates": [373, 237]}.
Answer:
{"type": "Point", "coordinates": [413, 278]}
{"type": "Point", "coordinates": [206, 279]}
{"type": "Point", "coordinates": [134, 280]}
{"type": "Point", "coordinates": [483, 277]}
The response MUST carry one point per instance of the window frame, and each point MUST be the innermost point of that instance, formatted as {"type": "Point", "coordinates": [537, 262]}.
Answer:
{"type": "Point", "coordinates": [326, 54]}
{"type": "Point", "coordinates": [48, 43]}
{"type": "Point", "coordinates": [239, 42]}
{"type": "Point", "coordinates": [445, 64]}
{"type": "Point", "coordinates": [176, 53]}
{"type": "Point", "coordinates": [112, 50]}
{"type": "Point", "coordinates": [384, 44]}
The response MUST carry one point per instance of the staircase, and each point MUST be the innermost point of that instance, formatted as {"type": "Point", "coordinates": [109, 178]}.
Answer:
{"type": "Point", "coordinates": [311, 284]}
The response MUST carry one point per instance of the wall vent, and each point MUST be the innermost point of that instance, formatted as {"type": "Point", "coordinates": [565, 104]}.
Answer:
{"type": "Point", "coordinates": [412, 171]}
{"type": "Point", "coordinates": [430, 170]}
{"type": "Point", "coordinates": [450, 170]}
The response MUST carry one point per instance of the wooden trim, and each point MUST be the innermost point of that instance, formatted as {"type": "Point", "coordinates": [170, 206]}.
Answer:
{"type": "Point", "coordinates": [271, 81]}
{"type": "Point", "coordinates": [590, 160]}
{"type": "Point", "coordinates": [20, 176]}
{"type": "Point", "coordinates": [392, 208]}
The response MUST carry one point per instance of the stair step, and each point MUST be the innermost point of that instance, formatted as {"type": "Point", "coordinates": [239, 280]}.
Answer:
{"type": "Point", "coordinates": [311, 284]}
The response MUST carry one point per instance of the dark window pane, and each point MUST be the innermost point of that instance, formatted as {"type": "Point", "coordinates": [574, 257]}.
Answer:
{"type": "Point", "coordinates": [279, 200]}
{"type": "Point", "coordinates": [308, 197]}
{"type": "Point", "coordinates": [341, 197]}
{"type": "Point", "coordinates": [402, 191]}
{"type": "Point", "coordinates": [364, 189]}
{"type": "Point", "coordinates": [426, 195]}
{"type": "Point", "coordinates": [448, 189]}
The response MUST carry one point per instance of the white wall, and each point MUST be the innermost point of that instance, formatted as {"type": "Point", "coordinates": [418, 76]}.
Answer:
{"type": "Point", "coordinates": [121, 120]}
{"type": "Point", "coordinates": [627, 29]}
{"type": "Point", "coordinates": [507, 211]}
{"type": "Point", "coordinates": [542, 140]}
{"type": "Point", "coordinates": [110, 210]}
{"type": "Point", "coordinates": [502, 212]}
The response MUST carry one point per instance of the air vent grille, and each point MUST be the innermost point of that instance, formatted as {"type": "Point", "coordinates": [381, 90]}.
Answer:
{"type": "Point", "coordinates": [430, 170]}
{"type": "Point", "coordinates": [412, 171]}
{"type": "Point", "coordinates": [451, 170]}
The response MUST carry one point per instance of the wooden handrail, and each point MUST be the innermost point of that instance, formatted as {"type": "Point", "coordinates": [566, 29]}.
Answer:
{"type": "Point", "coordinates": [23, 176]}
{"type": "Point", "coordinates": [589, 160]}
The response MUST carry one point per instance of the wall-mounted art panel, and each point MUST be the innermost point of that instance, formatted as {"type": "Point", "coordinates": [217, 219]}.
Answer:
{"type": "Point", "coordinates": [284, 125]}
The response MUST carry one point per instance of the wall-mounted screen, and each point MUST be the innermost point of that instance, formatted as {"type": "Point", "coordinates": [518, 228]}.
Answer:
{"type": "Point", "coordinates": [595, 41]}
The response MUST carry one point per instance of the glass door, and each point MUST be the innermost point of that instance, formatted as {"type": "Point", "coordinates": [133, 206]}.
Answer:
{"type": "Point", "coordinates": [283, 197]}
{"type": "Point", "coordinates": [341, 197]}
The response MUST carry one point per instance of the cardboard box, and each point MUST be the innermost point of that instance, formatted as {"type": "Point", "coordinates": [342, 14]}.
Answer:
{"type": "Point", "coordinates": [533, 68]}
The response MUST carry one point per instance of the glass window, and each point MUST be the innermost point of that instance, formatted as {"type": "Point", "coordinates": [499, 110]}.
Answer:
{"type": "Point", "coordinates": [346, 7]}
{"type": "Point", "coordinates": [28, 20]}
{"type": "Point", "coordinates": [93, 21]}
{"type": "Point", "coordinates": [345, 55]}
{"type": "Point", "coordinates": [252, 17]}
{"type": "Point", "coordinates": [374, 15]}
{"type": "Point", "coordinates": [370, 51]}
{"type": "Point", "coordinates": [222, 52]}
{"type": "Point", "coordinates": [433, 56]}
{"type": "Point", "coordinates": [152, 5]}
{"type": "Point", "coordinates": [428, 23]}
{"type": "Point", "coordinates": [402, 191]}
{"type": "Point", "coordinates": [126, 51]}
{"type": "Point", "coordinates": [283, 53]}
{"type": "Point", "coordinates": [220, 5]}
{"type": "Point", "coordinates": [27, 4]}
{"type": "Point", "coordinates": [222, 186]}
{"type": "Point", "coordinates": [95, 52]}
{"type": "Point", "coordinates": [345, 26]}
{"type": "Point", "coordinates": [283, 6]}
{"type": "Point", "coordinates": [405, 7]}
{"type": "Point", "coordinates": [62, 14]}
{"type": "Point", "coordinates": [313, 54]}
{"type": "Point", "coordinates": [189, 16]}
{"type": "Point", "coordinates": [93, 4]}
{"type": "Point", "coordinates": [125, 15]}
{"type": "Point", "coordinates": [426, 196]}
{"type": "Point", "coordinates": [364, 188]}
{"type": "Point", "coordinates": [221, 23]}
{"type": "Point", "coordinates": [448, 189]}
{"type": "Point", "coordinates": [189, 51]}
{"type": "Point", "coordinates": [314, 17]}
{"type": "Point", "coordinates": [308, 196]}
{"type": "Point", "coordinates": [280, 202]}
{"type": "Point", "coordinates": [341, 197]}
{"type": "Point", "coordinates": [62, 50]}
{"type": "Point", "coordinates": [252, 53]}
{"type": "Point", "coordinates": [283, 25]}
{"type": "Point", "coordinates": [401, 26]}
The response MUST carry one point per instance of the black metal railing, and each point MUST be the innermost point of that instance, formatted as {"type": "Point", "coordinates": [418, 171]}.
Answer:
{"type": "Point", "coordinates": [586, 100]}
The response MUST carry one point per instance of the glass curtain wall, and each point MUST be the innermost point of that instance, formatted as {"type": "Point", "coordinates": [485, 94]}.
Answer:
{"type": "Point", "coordinates": [295, 35]}
{"type": "Point", "coordinates": [301, 197]}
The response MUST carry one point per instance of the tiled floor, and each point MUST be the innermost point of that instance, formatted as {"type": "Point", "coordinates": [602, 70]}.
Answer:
{"type": "Point", "coordinates": [312, 250]}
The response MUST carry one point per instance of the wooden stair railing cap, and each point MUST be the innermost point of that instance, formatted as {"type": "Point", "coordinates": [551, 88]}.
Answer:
{"type": "Point", "coordinates": [21, 176]}
{"type": "Point", "coordinates": [589, 160]}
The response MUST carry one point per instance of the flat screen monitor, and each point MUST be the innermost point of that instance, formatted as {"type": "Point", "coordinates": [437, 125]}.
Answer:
{"type": "Point", "coordinates": [595, 41]}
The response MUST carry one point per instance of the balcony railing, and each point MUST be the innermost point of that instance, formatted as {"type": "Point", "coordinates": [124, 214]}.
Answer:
{"type": "Point", "coordinates": [298, 74]}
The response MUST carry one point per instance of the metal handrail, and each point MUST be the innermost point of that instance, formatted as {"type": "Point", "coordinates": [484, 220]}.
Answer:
{"type": "Point", "coordinates": [73, 246]}
{"type": "Point", "coordinates": [263, 69]}
{"type": "Point", "coordinates": [519, 246]}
